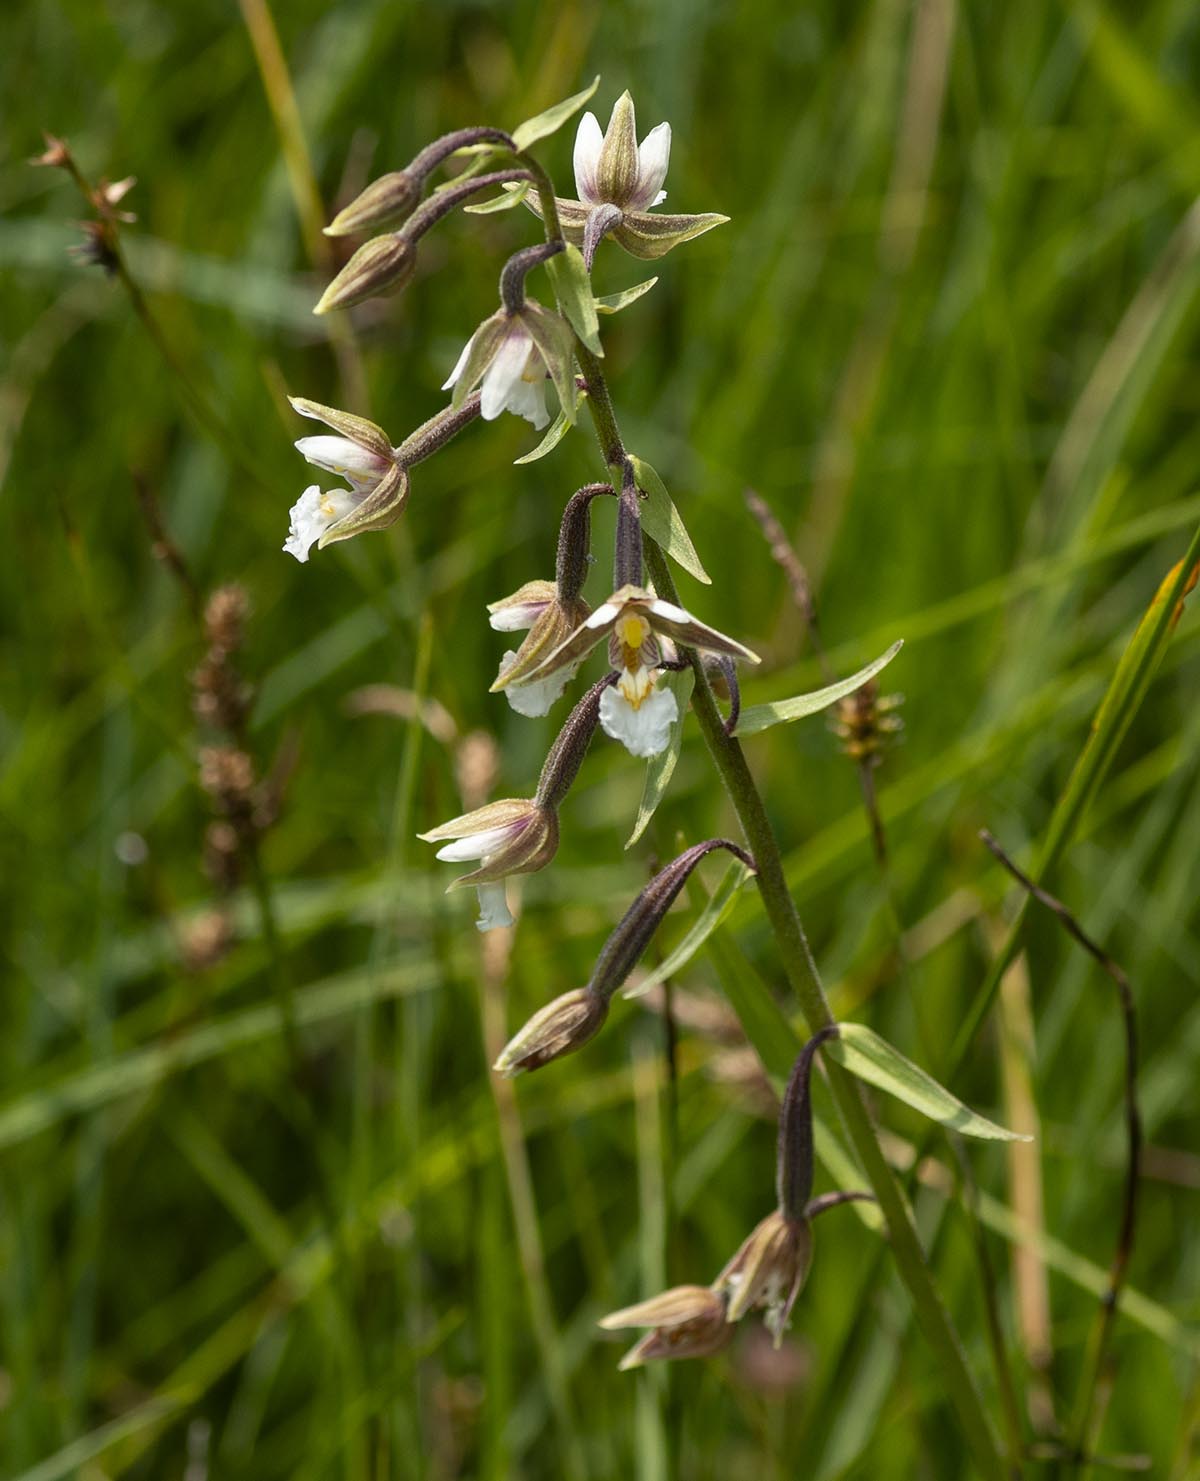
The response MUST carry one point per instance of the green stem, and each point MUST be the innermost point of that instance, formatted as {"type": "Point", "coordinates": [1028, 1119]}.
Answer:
{"type": "Point", "coordinates": [805, 982]}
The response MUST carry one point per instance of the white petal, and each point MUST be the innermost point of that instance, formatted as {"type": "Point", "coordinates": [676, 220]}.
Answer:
{"type": "Point", "coordinates": [606, 612]}
{"type": "Point", "coordinates": [644, 731]}
{"type": "Point", "coordinates": [311, 515]}
{"type": "Point", "coordinates": [358, 465]}
{"type": "Point", "coordinates": [659, 608]}
{"type": "Point", "coordinates": [528, 399]}
{"type": "Point", "coordinates": [459, 363]}
{"type": "Point", "coordinates": [658, 199]}
{"type": "Point", "coordinates": [475, 845]}
{"type": "Point", "coordinates": [493, 907]}
{"type": "Point", "coordinates": [588, 142]}
{"type": "Point", "coordinates": [654, 154]}
{"type": "Point", "coordinates": [536, 698]}
{"type": "Point", "coordinates": [517, 617]}
{"type": "Point", "coordinates": [503, 375]}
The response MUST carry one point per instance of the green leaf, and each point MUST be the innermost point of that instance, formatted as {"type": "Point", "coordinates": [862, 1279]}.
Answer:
{"type": "Point", "coordinates": [718, 907]}
{"type": "Point", "coordinates": [544, 124]}
{"type": "Point", "coordinates": [503, 202]}
{"type": "Point", "coordinates": [659, 769]}
{"type": "Point", "coordinates": [574, 290]}
{"type": "Point", "coordinates": [661, 521]}
{"type": "Point", "coordinates": [554, 435]}
{"type": "Point", "coordinates": [613, 303]}
{"type": "Point", "coordinates": [861, 1051]}
{"type": "Point", "coordinates": [782, 711]}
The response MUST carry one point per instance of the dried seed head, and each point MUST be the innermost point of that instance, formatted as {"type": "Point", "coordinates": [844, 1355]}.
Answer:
{"type": "Point", "coordinates": [221, 855]}
{"type": "Point", "coordinates": [769, 1271]}
{"type": "Point", "coordinates": [220, 698]}
{"type": "Point", "coordinates": [385, 202]}
{"type": "Point", "coordinates": [227, 775]}
{"type": "Point", "coordinates": [225, 617]}
{"type": "Point", "coordinates": [686, 1322]}
{"type": "Point", "coordinates": [379, 267]}
{"type": "Point", "coordinates": [559, 1028]}
{"type": "Point", "coordinates": [207, 940]}
{"type": "Point", "coordinates": [865, 723]}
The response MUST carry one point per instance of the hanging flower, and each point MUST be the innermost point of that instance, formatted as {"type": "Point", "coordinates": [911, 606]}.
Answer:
{"type": "Point", "coordinates": [619, 181]}
{"type": "Point", "coordinates": [361, 454]}
{"type": "Point", "coordinates": [511, 353]}
{"type": "Point", "coordinates": [685, 1322]}
{"type": "Point", "coordinates": [634, 710]}
{"type": "Point", "coordinates": [769, 1271]}
{"type": "Point", "coordinates": [514, 836]}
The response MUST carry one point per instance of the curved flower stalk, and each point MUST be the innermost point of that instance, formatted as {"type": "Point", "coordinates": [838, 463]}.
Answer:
{"type": "Point", "coordinates": [575, 1017]}
{"type": "Point", "coordinates": [550, 610]}
{"type": "Point", "coordinates": [618, 182]}
{"type": "Point", "coordinates": [634, 620]}
{"type": "Point", "coordinates": [769, 1269]}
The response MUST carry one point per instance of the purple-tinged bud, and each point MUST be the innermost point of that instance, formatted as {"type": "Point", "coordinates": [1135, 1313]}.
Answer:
{"type": "Point", "coordinates": [385, 202]}
{"type": "Point", "coordinates": [575, 539]}
{"type": "Point", "coordinates": [627, 551]}
{"type": "Point", "coordinates": [617, 165]}
{"type": "Point", "coordinates": [794, 1147]}
{"type": "Point", "coordinates": [637, 926]}
{"type": "Point", "coordinates": [769, 1271]}
{"type": "Point", "coordinates": [513, 836]}
{"type": "Point", "coordinates": [517, 269]}
{"type": "Point", "coordinates": [559, 1028]}
{"type": "Point", "coordinates": [381, 266]}
{"type": "Point", "coordinates": [565, 757]}
{"type": "Point", "coordinates": [686, 1322]}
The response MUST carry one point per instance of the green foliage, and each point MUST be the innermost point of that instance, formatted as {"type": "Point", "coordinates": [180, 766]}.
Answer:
{"type": "Point", "coordinates": [949, 335]}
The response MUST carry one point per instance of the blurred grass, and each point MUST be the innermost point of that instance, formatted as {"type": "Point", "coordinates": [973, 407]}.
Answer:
{"type": "Point", "coordinates": [949, 334]}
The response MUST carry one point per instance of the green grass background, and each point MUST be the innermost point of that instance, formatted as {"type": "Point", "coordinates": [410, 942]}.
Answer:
{"type": "Point", "coordinates": [949, 334]}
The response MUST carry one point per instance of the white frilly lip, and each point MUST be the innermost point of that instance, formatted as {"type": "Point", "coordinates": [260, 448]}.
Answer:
{"type": "Point", "coordinates": [515, 379]}
{"type": "Point", "coordinates": [493, 907]}
{"type": "Point", "coordinates": [535, 699]}
{"type": "Point", "coordinates": [311, 515]}
{"type": "Point", "coordinates": [517, 617]}
{"type": "Point", "coordinates": [644, 731]}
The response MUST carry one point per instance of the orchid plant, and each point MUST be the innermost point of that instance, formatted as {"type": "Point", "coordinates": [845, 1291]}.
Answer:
{"type": "Point", "coordinates": [512, 362]}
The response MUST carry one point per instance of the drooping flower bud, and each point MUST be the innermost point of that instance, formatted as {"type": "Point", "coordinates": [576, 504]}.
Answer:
{"type": "Point", "coordinates": [381, 266]}
{"type": "Point", "coordinates": [385, 202]}
{"type": "Point", "coordinates": [637, 926]}
{"type": "Point", "coordinates": [686, 1322]}
{"type": "Point", "coordinates": [565, 756]}
{"type": "Point", "coordinates": [560, 1027]}
{"type": "Point", "coordinates": [769, 1271]}
{"type": "Point", "coordinates": [513, 836]}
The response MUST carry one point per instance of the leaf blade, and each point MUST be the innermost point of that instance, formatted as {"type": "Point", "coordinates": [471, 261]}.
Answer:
{"type": "Point", "coordinates": [783, 711]}
{"type": "Point", "coordinates": [661, 521]}
{"type": "Point", "coordinates": [543, 124]}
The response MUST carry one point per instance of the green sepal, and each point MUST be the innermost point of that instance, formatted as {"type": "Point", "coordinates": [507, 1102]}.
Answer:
{"type": "Point", "coordinates": [661, 521]}
{"type": "Point", "coordinates": [574, 290]}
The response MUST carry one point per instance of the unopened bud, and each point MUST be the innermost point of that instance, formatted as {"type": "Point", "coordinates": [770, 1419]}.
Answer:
{"type": "Point", "coordinates": [381, 266]}
{"type": "Point", "coordinates": [559, 1028]}
{"type": "Point", "coordinates": [686, 1322]}
{"type": "Point", "coordinates": [385, 202]}
{"type": "Point", "coordinates": [769, 1271]}
{"type": "Point", "coordinates": [617, 167]}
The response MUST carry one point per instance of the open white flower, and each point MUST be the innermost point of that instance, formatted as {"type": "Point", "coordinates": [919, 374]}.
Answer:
{"type": "Point", "coordinates": [515, 378]}
{"type": "Point", "coordinates": [635, 621]}
{"type": "Point", "coordinates": [362, 455]}
{"type": "Point", "coordinates": [613, 169]}
{"type": "Point", "coordinates": [513, 836]}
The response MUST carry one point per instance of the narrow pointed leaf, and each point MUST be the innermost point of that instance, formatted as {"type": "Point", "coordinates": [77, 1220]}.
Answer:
{"type": "Point", "coordinates": [555, 433]}
{"type": "Point", "coordinates": [660, 768]}
{"type": "Point", "coordinates": [718, 907]}
{"type": "Point", "coordinates": [574, 290]}
{"type": "Point", "coordinates": [504, 202]}
{"type": "Point", "coordinates": [661, 521]}
{"type": "Point", "coordinates": [544, 124]}
{"type": "Point", "coordinates": [861, 1051]}
{"type": "Point", "coordinates": [613, 303]}
{"type": "Point", "coordinates": [782, 711]}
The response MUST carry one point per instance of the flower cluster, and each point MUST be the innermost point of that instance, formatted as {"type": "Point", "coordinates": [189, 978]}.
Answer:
{"type": "Point", "coordinates": [506, 365]}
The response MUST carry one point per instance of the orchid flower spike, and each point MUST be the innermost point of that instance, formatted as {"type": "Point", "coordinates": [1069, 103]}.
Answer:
{"type": "Point", "coordinates": [362, 455]}
{"type": "Point", "coordinates": [633, 619]}
{"type": "Point", "coordinates": [685, 1322]}
{"type": "Point", "coordinates": [515, 836]}
{"type": "Point", "coordinates": [619, 182]}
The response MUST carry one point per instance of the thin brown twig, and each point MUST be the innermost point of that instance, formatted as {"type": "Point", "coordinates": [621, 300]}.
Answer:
{"type": "Point", "coordinates": [1102, 1330]}
{"type": "Point", "coordinates": [164, 548]}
